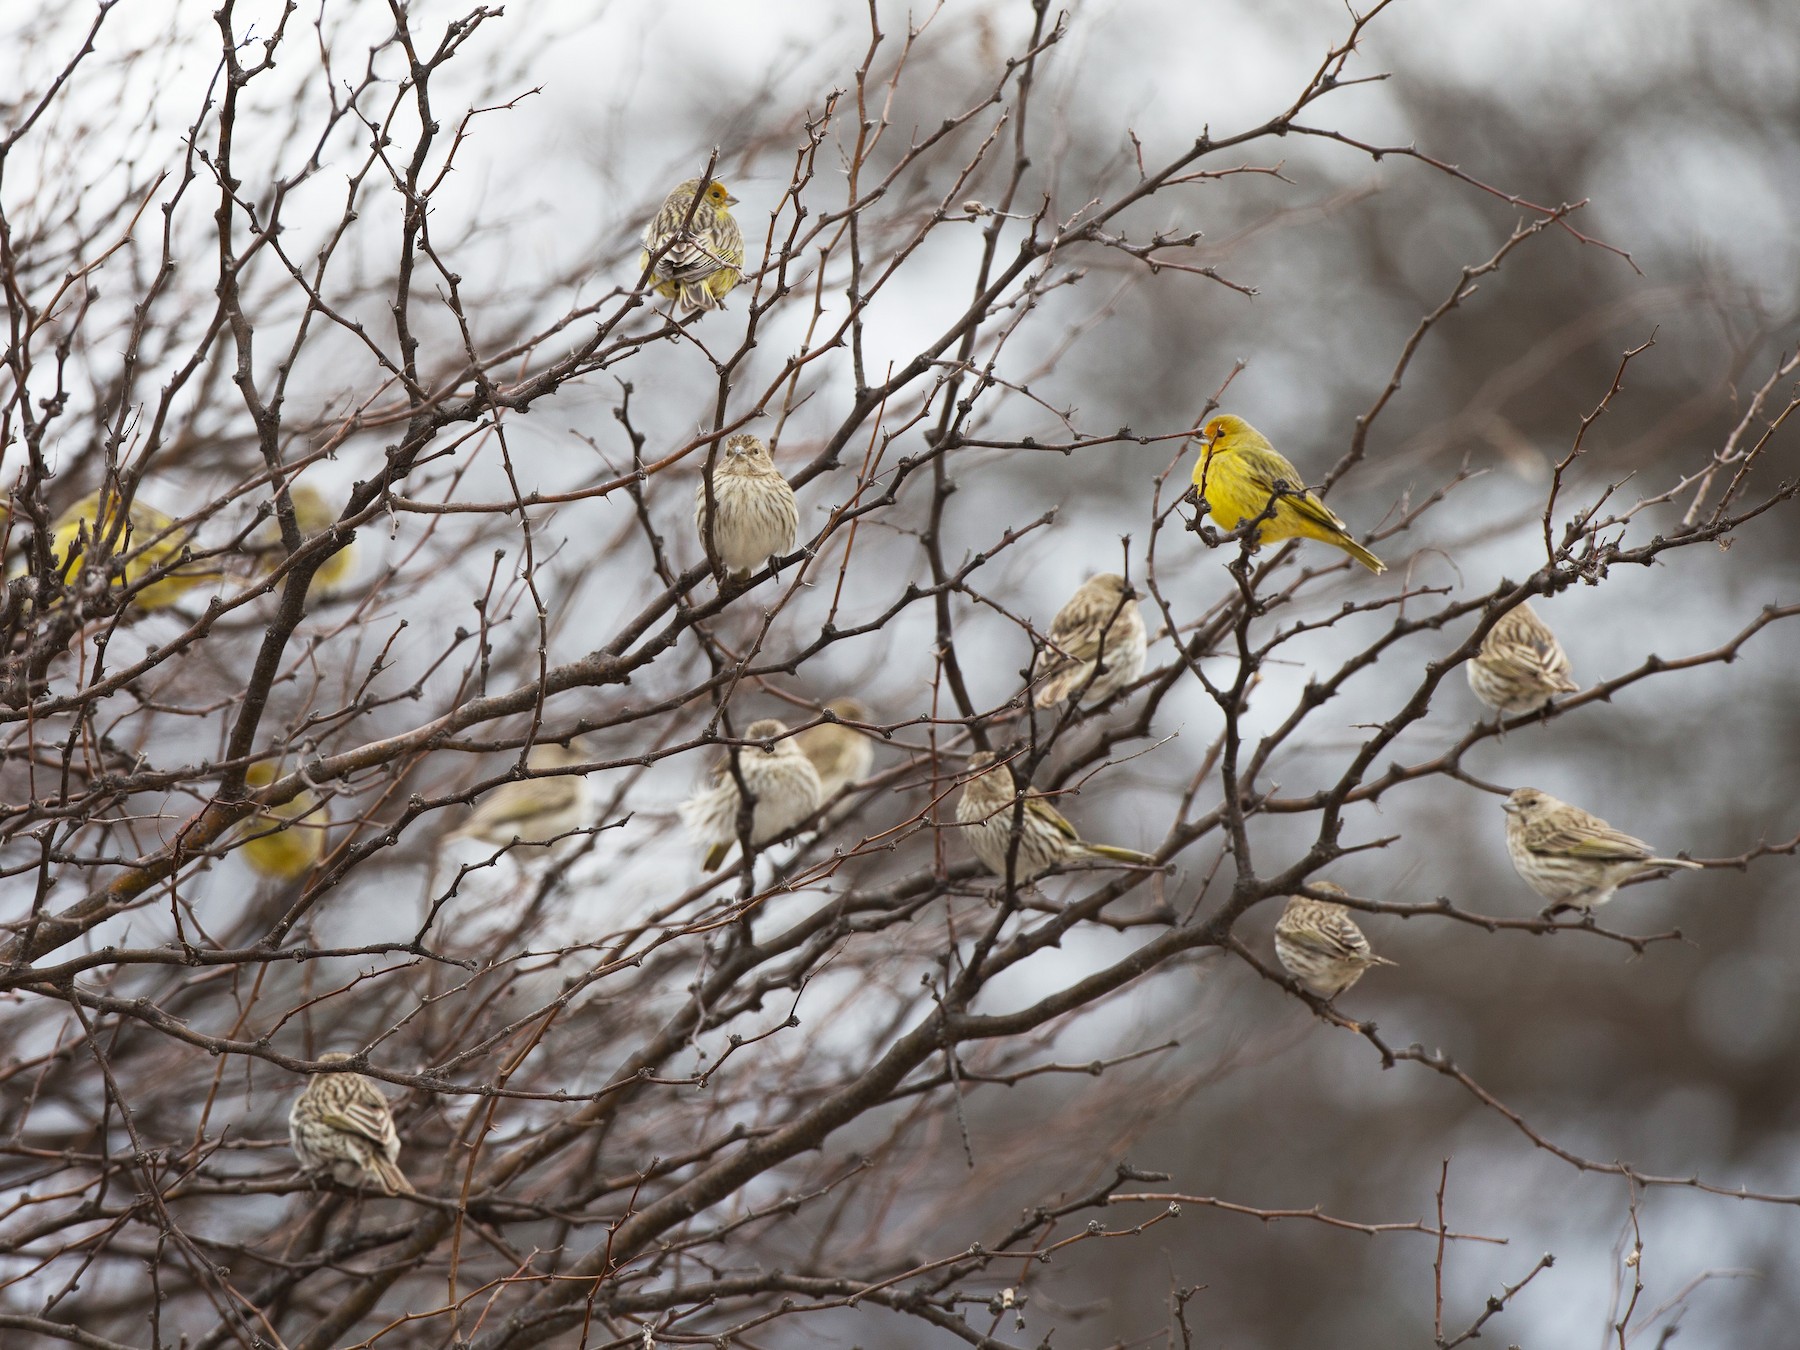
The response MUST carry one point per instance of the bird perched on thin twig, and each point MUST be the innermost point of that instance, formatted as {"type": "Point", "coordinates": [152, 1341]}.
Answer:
{"type": "Point", "coordinates": [781, 780]}
{"type": "Point", "coordinates": [1046, 840]}
{"type": "Point", "coordinates": [704, 254]}
{"type": "Point", "coordinates": [841, 754]}
{"type": "Point", "coordinates": [1100, 629]}
{"type": "Point", "coordinates": [282, 842]}
{"type": "Point", "coordinates": [146, 540]}
{"type": "Point", "coordinates": [1240, 476]}
{"type": "Point", "coordinates": [342, 1123]}
{"type": "Point", "coordinates": [532, 810]}
{"type": "Point", "coordinates": [1571, 858]}
{"type": "Point", "coordinates": [758, 517]}
{"type": "Point", "coordinates": [1521, 666]}
{"type": "Point", "coordinates": [1320, 945]}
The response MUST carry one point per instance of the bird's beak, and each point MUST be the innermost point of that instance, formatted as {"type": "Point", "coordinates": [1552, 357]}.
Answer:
{"type": "Point", "coordinates": [1510, 807]}
{"type": "Point", "coordinates": [730, 200]}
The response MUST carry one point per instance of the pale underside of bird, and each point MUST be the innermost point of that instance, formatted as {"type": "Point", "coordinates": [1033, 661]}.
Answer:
{"type": "Point", "coordinates": [988, 811]}
{"type": "Point", "coordinates": [1569, 857]}
{"type": "Point", "coordinates": [1320, 945]}
{"type": "Point", "coordinates": [781, 780]}
{"type": "Point", "coordinates": [341, 1123]}
{"type": "Point", "coordinates": [1097, 643]}
{"type": "Point", "coordinates": [758, 517]}
{"type": "Point", "coordinates": [1521, 666]}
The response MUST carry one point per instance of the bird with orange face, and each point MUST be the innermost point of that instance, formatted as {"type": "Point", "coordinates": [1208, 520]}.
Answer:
{"type": "Point", "coordinates": [1241, 477]}
{"type": "Point", "coordinates": [693, 248]}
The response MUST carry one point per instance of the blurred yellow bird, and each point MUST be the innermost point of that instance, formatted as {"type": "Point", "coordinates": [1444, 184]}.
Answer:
{"type": "Point", "coordinates": [276, 847]}
{"type": "Point", "coordinates": [1239, 473]}
{"type": "Point", "coordinates": [147, 540]}
{"type": "Point", "coordinates": [314, 514]}
{"type": "Point", "coordinates": [701, 248]}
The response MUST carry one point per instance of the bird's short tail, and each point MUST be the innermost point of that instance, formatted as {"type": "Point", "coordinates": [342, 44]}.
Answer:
{"type": "Point", "coordinates": [714, 856]}
{"type": "Point", "coordinates": [1672, 862]}
{"type": "Point", "coordinates": [1362, 555]}
{"type": "Point", "coordinates": [1116, 854]}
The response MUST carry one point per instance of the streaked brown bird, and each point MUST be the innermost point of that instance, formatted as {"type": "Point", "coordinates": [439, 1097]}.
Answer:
{"type": "Point", "coordinates": [841, 754]}
{"type": "Point", "coordinates": [782, 783]}
{"type": "Point", "coordinates": [1521, 666]}
{"type": "Point", "coordinates": [704, 257]}
{"type": "Point", "coordinates": [1046, 839]}
{"type": "Point", "coordinates": [1320, 945]}
{"type": "Point", "coordinates": [532, 810]}
{"type": "Point", "coordinates": [1573, 859]}
{"type": "Point", "coordinates": [341, 1123]}
{"type": "Point", "coordinates": [1100, 629]}
{"type": "Point", "coordinates": [758, 517]}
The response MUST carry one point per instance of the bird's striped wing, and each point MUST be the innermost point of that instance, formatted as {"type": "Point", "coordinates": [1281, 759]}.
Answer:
{"type": "Point", "coordinates": [1580, 835]}
{"type": "Point", "coordinates": [1047, 813]}
{"type": "Point", "coordinates": [364, 1117]}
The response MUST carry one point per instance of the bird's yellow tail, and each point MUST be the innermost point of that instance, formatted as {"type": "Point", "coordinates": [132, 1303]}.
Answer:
{"type": "Point", "coordinates": [1361, 554]}
{"type": "Point", "coordinates": [1116, 854]}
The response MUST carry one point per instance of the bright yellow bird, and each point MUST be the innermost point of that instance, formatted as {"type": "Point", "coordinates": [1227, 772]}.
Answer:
{"type": "Point", "coordinates": [133, 542]}
{"type": "Point", "coordinates": [277, 847]}
{"type": "Point", "coordinates": [1240, 472]}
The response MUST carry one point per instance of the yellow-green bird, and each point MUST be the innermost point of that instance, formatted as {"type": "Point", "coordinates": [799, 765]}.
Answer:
{"type": "Point", "coordinates": [1240, 472]}
{"type": "Point", "coordinates": [283, 841]}
{"type": "Point", "coordinates": [314, 514]}
{"type": "Point", "coordinates": [697, 248]}
{"type": "Point", "coordinates": [146, 540]}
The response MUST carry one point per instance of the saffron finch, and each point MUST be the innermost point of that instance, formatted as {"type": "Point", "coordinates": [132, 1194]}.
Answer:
{"type": "Point", "coordinates": [1572, 859]}
{"type": "Point", "coordinates": [283, 842]}
{"type": "Point", "coordinates": [1521, 665]}
{"type": "Point", "coordinates": [342, 1123]}
{"type": "Point", "coordinates": [532, 810]}
{"type": "Point", "coordinates": [144, 542]}
{"type": "Point", "coordinates": [1240, 474]}
{"type": "Point", "coordinates": [758, 518]}
{"type": "Point", "coordinates": [702, 248]}
{"type": "Point", "coordinates": [1320, 945]}
{"type": "Point", "coordinates": [1099, 630]}
{"type": "Point", "coordinates": [784, 788]}
{"type": "Point", "coordinates": [1046, 840]}
{"type": "Point", "coordinates": [841, 754]}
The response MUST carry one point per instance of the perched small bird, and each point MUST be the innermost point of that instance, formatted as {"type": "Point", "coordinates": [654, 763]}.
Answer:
{"type": "Point", "coordinates": [1320, 945]}
{"type": "Point", "coordinates": [1240, 472]}
{"type": "Point", "coordinates": [146, 540]}
{"type": "Point", "coordinates": [842, 755]}
{"type": "Point", "coordinates": [1569, 857]}
{"type": "Point", "coordinates": [532, 810]}
{"type": "Point", "coordinates": [705, 256]}
{"type": "Point", "coordinates": [1521, 665]}
{"type": "Point", "coordinates": [274, 845]}
{"type": "Point", "coordinates": [314, 515]}
{"type": "Point", "coordinates": [1102, 627]}
{"type": "Point", "coordinates": [341, 1123]}
{"type": "Point", "coordinates": [758, 518]}
{"type": "Point", "coordinates": [1045, 838]}
{"type": "Point", "coordinates": [781, 779]}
